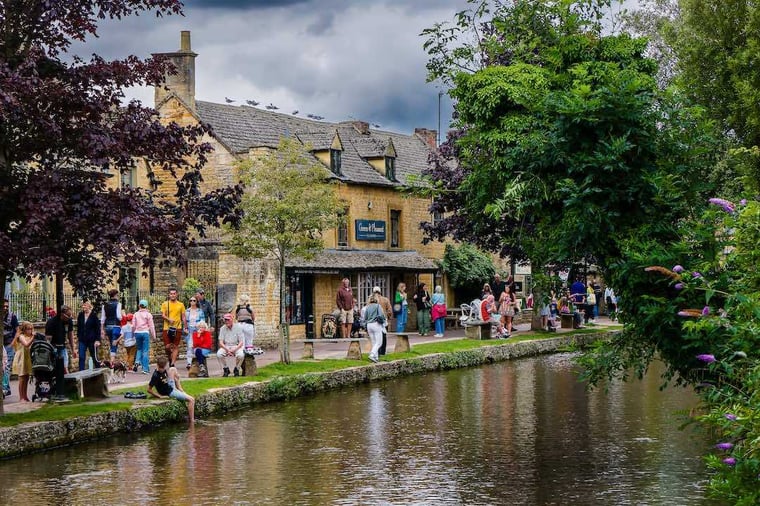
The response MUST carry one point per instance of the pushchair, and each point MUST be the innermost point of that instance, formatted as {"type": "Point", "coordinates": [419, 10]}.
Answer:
{"type": "Point", "coordinates": [43, 364]}
{"type": "Point", "coordinates": [356, 327]}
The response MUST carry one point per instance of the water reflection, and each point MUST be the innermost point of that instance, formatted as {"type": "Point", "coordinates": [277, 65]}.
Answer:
{"type": "Point", "coordinates": [523, 432]}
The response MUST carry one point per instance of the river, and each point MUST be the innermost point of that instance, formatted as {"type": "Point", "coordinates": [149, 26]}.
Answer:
{"type": "Point", "coordinates": [524, 432]}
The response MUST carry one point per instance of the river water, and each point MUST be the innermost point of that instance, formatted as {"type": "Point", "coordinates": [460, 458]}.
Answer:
{"type": "Point", "coordinates": [520, 432]}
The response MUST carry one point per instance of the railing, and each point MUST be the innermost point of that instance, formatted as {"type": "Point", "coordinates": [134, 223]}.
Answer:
{"type": "Point", "coordinates": [35, 306]}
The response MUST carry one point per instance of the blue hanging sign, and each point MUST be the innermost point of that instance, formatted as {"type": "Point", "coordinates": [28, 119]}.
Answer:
{"type": "Point", "coordinates": [370, 230]}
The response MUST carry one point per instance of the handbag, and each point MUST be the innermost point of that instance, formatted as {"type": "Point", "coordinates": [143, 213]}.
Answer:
{"type": "Point", "coordinates": [591, 299]}
{"type": "Point", "coordinates": [397, 307]}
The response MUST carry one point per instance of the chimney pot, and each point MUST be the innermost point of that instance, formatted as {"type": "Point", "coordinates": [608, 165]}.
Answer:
{"type": "Point", "coordinates": [184, 43]}
{"type": "Point", "coordinates": [429, 137]}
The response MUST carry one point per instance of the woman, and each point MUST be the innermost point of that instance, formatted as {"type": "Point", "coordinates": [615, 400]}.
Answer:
{"type": "Point", "coordinates": [400, 308]}
{"type": "Point", "coordinates": [375, 318]}
{"type": "Point", "coordinates": [202, 347]}
{"type": "Point", "coordinates": [193, 316]}
{"type": "Point", "coordinates": [246, 318]}
{"type": "Point", "coordinates": [423, 305]}
{"type": "Point", "coordinates": [590, 303]}
{"type": "Point", "coordinates": [145, 331]}
{"type": "Point", "coordinates": [23, 358]}
{"type": "Point", "coordinates": [486, 292]}
{"type": "Point", "coordinates": [507, 308]}
{"type": "Point", "coordinates": [110, 318]}
{"type": "Point", "coordinates": [438, 312]}
{"type": "Point", "coordinates": [88, 335]}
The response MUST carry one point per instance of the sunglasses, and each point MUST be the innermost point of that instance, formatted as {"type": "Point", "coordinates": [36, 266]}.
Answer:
{"type": "Point", "coordinates": [193, 300]}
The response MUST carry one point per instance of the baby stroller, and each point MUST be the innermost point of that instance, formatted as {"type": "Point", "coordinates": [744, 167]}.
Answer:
{"type": "Point", "coordinates": [43, 364]}
{"type": "Point", "coordinates": [356, 327]}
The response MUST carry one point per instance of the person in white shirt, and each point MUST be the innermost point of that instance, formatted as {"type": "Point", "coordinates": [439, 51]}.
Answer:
{"type": "Point", "coordinates": [231, 342]}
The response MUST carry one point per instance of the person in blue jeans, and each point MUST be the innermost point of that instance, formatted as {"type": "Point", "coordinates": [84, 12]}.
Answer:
{"type": "Point", "coordinates": [400, 308]}
{"type": "Point", "coordinates": [438, 311]}
{"type": "Point", "coordinates": [10, 324]}
{"type": "Point", "coordinates": [144, 330]}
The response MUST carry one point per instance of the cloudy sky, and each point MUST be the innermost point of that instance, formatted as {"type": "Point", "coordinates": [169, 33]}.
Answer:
{"type": "Point", "coordinates": [341, 59]}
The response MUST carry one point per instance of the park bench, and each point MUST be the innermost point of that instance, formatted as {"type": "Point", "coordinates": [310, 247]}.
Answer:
{"type": "Point", "coordinates": [566, 320]}
{"type": "Point", "coordinates": [478, 330]}
{"type": "Point", "coordinates": [354, 346]}
{"type": "Point", "coordinates": [402, 342]}
{"type": "Point", "coordinates": [87, 383]}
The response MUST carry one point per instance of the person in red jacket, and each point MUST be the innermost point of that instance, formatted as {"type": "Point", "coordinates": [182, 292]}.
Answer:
{"type": "Point", "coordinates": [202, 343]}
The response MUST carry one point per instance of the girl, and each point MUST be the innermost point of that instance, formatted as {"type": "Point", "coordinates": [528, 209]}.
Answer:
{"type": "Point", "coordinates": [22, 342]}
{"type": "Point", "coordinates": [507, 308]}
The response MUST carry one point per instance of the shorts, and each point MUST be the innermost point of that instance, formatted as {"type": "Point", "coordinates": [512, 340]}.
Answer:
{"type": "Point", "coordinates": [179, 395]}
{"type": "Point", "coordinates": [346, 316]}
{"type": "Point", "coordinates": [175, 341]}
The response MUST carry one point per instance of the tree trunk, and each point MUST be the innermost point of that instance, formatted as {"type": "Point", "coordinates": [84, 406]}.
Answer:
{"type": "Point", "coordinates": [535, 322]}
{"type": "Point", "coordinates": [284, 336]}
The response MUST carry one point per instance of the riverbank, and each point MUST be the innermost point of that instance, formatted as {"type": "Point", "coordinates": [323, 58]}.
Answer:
{"type": "Point", "coordinates": [35, 436]}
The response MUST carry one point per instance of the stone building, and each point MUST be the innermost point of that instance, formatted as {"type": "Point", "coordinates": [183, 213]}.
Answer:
{"type": "Point", "coordinates": [380, 242]}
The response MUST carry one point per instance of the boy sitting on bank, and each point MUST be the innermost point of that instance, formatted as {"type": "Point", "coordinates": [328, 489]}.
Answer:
{"type": "Point", "coordinates": [168, 386]}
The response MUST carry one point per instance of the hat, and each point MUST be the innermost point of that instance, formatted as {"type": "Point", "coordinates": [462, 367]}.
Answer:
{"type": "Point", "coordinates": [129, 317]}
{"type": "Point", "coordinates": [228, 316]}
{"type": "Point", "coordinates": [376, 289]}
{"type": "Point", "coordinates": [143, 303]}
{"type": "Point", "coordinates": [200, 291]}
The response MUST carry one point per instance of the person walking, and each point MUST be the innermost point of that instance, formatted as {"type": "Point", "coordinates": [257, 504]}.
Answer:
{"type": "Point", "coordinates": [400, 308]}
{"type": "Point", "coordinates": [438, 312]}
{"type": "Point", "coordinates": [89, 329]}
{"type": "Point", "coordinates": [110, 319]}
{"type": "Point", "coordinates": [145, 331]}
{"type": "Point", "coordinates": [10, 325]}
{"type": "Point", "coordinates": [344, 300]}
{"type": "Point", "coordinates": [385, 304]}
{"type": "Point", "coordinates": [173, 312]}
{"type": "Point", "coordinates": [375, 318]}
{"type": "Point", "coordinates": [206, 307]}
{"type": "Point", "coordinates": [422, 302]}
{"type": "Point", "coordinates": [58, 330]}
{"type": "Point", "coordinates": [507, 309]}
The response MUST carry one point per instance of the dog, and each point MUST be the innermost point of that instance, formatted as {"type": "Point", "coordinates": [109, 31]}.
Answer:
{"type": "Point", "coordinates": [118, 370]}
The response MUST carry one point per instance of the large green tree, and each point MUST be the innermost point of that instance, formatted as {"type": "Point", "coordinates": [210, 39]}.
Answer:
{"type": "Point", "coordinates": [289, 202]}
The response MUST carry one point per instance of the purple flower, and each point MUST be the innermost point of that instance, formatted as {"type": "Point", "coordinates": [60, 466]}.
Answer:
{"type": "Point", "coordinates": [729, 461]}
{"type": "Point", "coordinates": [724, 446]}
{"type": "Point", "coordinates": [730, 416]}
{"type": "Point", "coordinates": [726, 205]}
{"type": "Point", "coordinates": [684, 313]}
{"type": "Point", "coordinates": [696, 274]}
{"type": "Point", "coordinates": [678, 286]}
{"type": "Point", "coordinates": [678, 268]}
{"type": "Point", "coordinates": [705, 310]}
{"type": "Point", "coordinates": [743, 202]}
{"type": "Point", "coordinates": [706, 358]}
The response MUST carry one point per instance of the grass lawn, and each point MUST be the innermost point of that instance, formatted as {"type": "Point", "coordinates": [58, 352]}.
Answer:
{"type": "Point", "coordinates": [50, 412]}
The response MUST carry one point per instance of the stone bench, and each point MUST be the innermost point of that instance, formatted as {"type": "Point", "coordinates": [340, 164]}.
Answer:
{"type": "Point", "coordinates": [87, 383]}
{"type": "Point", "coordinates": [354, 346]}
{"type": "Point", "coordinates": [478, 330]}
{"type": "Point", "coordinates": [402, 342]}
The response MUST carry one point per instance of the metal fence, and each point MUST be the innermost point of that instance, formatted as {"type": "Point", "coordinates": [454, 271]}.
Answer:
{"type": "Point", "coordinates": [35, 306]}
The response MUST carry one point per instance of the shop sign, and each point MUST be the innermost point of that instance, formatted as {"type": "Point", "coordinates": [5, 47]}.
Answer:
{"type": "Point", "coordinates": [370, 230]}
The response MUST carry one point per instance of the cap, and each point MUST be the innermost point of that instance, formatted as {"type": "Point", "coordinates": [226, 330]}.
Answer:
{"type": "Point", "coordinates": [143, 303]}
{"type": "Point", "coordinates": [200, 291]}
{"type": "Point", "coordinates": [376, 289]}
{"type": "Point", "coordinates": [129, 317]}
{"type": "Point", "coordinates": [227, 316]}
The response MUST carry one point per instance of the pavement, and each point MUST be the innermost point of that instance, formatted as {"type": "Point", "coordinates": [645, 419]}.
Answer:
{"type": "Point", "coordinates": [322, 350]}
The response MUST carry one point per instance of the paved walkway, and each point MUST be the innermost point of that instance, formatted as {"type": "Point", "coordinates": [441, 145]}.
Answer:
{"type": "Point", "coordinates": [322, 350]}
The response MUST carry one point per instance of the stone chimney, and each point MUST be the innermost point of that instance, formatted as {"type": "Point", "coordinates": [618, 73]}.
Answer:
{"type": "Point", "coordinates": [361, 126]}
{"type": "Point", "coordinates": [182, 83]}
{"type": "Point", "coordinates": [429, 137]}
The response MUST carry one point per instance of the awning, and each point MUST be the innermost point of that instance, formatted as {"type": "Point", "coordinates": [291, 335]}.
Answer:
{"type": "Point", "coordinates": [332, 261]}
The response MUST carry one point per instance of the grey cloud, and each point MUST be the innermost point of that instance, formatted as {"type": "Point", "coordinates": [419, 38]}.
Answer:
{"type": "Point", "coordinates": [241, 4]}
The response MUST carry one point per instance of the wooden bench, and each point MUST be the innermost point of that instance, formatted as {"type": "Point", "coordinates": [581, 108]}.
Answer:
{"type": "Point", "coordinates": [87, 383]}
{"type": "Point", "coordinates": [402, 342]}
{"type": "Point", "coordinates": [354, 346]}
{"type": "Point", "coordinates": [566, 320]}
{"type": "Point", "coordinates": [477, 330]}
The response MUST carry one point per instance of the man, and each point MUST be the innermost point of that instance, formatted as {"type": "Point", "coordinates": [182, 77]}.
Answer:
{"type": "Point", "coordinates": [10, 325]}
{"type": "Point", "coordinates": [385, 303]}
{"type": "Point", "coordinates": [206, 307]}
{"type": "Point", "coordinates": [578, 293]}
{"type": "Point", "coordinates": [168, 386]}
{"type": "Point", "coordinates": [58, 330]}
{"type": "Point", "coordinates": [344, 299]}
{"type": "Point", "coordinates": [598, 294]}
{"type": "Point", "coordinates": [173, 312]}
{"type": "Point", "coordinates": [497, 287]}
{"type": "Point", "coordinates": [231, 342]}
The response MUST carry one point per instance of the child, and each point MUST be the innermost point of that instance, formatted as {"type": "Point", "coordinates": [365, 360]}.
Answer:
{"type": "Point", "coordinates": [23, 358]}
{"type": "Point", "coordinates": [202, 347]}
{"type": "Point", "coordinates": [168, 386]}
{"type": "Point", "coordinates": [130, 342]}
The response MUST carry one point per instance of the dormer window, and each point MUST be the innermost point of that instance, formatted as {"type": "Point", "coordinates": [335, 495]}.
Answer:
{"type": "Point", "coordinates": [390, 168]}
{"type": "Point", "coordinates": [335, 161]}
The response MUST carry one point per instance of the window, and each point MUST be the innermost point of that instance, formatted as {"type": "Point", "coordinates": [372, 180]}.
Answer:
{"type": "Point", "coordinates": [366, 281]}
{"type": "Point", "coordinates": [395, 228]}
{"type": "Point", "coordinates": [437, 216]}
{"type": "Point", "coordinates": [335, 160]}
{"type": "Point", "coordinates": [390, 168]}
{"type": "Point", "coordinates": [128, 178]}
{"type": "Point", "coordinates": [298, 302]}
{"type": "Point", "coordinates": [343, 229]}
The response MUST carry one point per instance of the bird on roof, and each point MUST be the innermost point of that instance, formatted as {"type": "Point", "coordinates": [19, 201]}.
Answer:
{"type": "Point", "coordinates": [318, 117]}
{"type": "Point", "coordinates": [228, 100]}
{"type": "Point", "coordinates": [294, 112]}
{"type": "Point", "coordinates": [376, 125]}
{"type": "Point", "coordinates": [310, 115]}
{"type": "Point", "coordinates": [272, 107]}
{"type": "Point", "coordinates": [252, 103]}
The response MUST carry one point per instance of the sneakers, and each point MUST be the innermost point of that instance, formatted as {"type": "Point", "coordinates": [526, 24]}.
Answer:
{"type": "Point", "coordinates": [134, 368]}
{"type": "Point", "coordinates": [7, 393]}
{"type": "Point", "coordinates": [438, 335]}
{"type": "Point", "coordinates": [254, 351]}
{"type": "Point", "coordinates": [374, 359]}
{"type": "Point", "coordinates": [202, 371]}
{"type": "Point", "coordinates": [226, 372]}
{"type": "Point", "coordinates": [235, 372]}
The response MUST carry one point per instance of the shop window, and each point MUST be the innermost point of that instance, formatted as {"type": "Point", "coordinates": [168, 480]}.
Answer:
{"type": "Point", "coordinates": [395, 228]}
{"type": "Point", "coordinates": [296, 298]}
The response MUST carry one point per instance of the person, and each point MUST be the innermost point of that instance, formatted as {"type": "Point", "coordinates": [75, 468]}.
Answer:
{"type": "Point", "coordinates": [145, 331]}
{"type": "Point", "coordinates": [206, 307]}
{"type": "Point", "coordinates": [202, 343]}
{"type": "Point", "coordinates": [58, 330]}
{"type": "Point", "coordinates": [129, 341]}
{"type": "Point", "coordinates": [611, 299]}
{"type": "Point", "coordinates": [193, 316]}
{"type": "Point", "coordinates": [10, 325]}
{"type": "Point", "coordinates": [400, 307]}
{"type": "Point", "coordinates": [486, 291]}
{"type": "Point", "coordinates": [167, 385]}
{"type": "Point", "coordinates": [438, 311]}
{"type": "Point", "coordinates": [246, 318]}
{"type": "Point", "coordinates": [598, 296]}
{"type": "Point", "coordinates": [374, 315]}
{"type": "Point", "coordinates": [173, 312]}
{"type": "Point", "coordinates": [89, 329]}
{"type": "Point", "coordinates": [564, 308]}
{"type": "Point", "coordinates": [422, 302]}
{"type": "Point", "coordinates": [110, 318]}
{"type": "Point", "coordinates": [385, 304]}
{"type": "Point", "coordinates": [590, 304]}
{"type": "Point", "coordinates": [498, 286]}
{"type": "Point", "coordinates": [231, 343]}
{"type": "Point", "coordinates": [507, 308]}
{"type": "Point", "coordinates": [22, 342]}
{"type": "Point", "coordinates": [344, 301]}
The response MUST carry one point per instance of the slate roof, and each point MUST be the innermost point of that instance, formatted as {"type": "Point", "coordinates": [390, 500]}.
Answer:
{"type": "Point", "coordinates": [242, 128]}
{"type": "Point", "coordinates": [334, 260]}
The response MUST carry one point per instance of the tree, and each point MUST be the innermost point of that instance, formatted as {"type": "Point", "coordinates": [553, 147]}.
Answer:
{"type": "Point", "coordinates": [64, 134]}
{"type": "Point", "coordinates": [288, 204]}
{"type": "Point", "coordinates": [467, 269]}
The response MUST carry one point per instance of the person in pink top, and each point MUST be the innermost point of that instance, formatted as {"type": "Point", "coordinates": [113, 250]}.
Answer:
{"type": "Point", "coordinates": [144, 331]}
